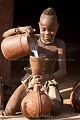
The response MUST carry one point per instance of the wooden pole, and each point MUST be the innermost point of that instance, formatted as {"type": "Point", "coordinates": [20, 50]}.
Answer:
{"type": "Point", "coordinates": [6, 22]}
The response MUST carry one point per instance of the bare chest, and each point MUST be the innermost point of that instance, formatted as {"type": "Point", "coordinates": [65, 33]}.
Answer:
{"type": "Point", "coordinates": [51, 51]}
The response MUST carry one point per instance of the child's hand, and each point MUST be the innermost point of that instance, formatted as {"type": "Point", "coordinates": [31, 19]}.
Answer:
{"type": "Point", "coordinates": [29, 31]}
{"type": "Point", "coordinates": [40, 79]}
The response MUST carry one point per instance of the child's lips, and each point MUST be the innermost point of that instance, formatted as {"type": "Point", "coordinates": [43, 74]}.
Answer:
{"type": "Point", "coordinates": [47, 37]}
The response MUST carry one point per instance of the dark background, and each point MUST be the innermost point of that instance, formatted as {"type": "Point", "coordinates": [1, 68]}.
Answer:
{"type": "Point", "coordinates": [68, 12]}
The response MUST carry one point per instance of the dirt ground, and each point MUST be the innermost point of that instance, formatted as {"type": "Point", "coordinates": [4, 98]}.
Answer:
{"type": "Point", "coordinates": [65, 86]}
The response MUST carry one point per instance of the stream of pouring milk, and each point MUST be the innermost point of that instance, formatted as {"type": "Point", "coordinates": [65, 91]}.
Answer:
{"type": "Point", "coordinates": [35, 53]}
{"type": "Point", "coordinates": [34, 48]}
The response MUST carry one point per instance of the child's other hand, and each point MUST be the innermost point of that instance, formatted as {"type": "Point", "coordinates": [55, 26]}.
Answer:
{"type": "Point", "coordinates": [40, 79]}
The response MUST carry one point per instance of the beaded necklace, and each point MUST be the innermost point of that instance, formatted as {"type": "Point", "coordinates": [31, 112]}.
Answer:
{"type": "Point", "coordinates": [46, 43]}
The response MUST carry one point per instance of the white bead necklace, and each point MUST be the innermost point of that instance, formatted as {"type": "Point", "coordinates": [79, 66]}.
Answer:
{"type": "Point", "coordinates": [46, 43]}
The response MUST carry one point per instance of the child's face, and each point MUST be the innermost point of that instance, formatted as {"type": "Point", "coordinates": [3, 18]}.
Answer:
{"type": "Point", "coordinates": [48, 27]}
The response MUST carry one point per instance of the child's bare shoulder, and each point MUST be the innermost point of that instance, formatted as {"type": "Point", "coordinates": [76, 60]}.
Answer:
{"type": "Point", "coordinates": [59, 42]}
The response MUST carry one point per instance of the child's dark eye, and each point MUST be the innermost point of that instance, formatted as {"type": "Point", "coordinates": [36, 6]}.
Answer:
{"type": "Point", "coordinates": [43, 29]}
{"type": "Point", "coordinates": [50, 30]}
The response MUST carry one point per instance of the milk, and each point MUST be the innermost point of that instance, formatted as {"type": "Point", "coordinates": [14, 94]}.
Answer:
{"type": "Point", "coordinates": [34, 48]}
